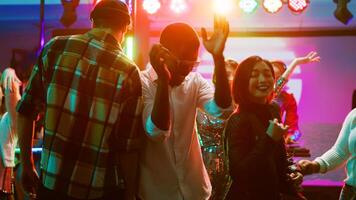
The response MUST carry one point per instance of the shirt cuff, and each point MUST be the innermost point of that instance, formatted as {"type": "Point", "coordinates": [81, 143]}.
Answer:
{"type": "Point", "coordinates": [154, 132]}
{"type": "Point", "coordinates": [322, 164]}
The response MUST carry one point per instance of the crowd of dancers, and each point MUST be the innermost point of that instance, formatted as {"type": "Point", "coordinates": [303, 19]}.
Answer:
{"type": "Point", "coordinates": [111, 131]}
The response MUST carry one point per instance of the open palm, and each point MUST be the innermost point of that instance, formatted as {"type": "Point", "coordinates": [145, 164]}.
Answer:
{"type": "Point", "coordinates": [311, 57]}
{"type": "Point", "coordinates": [216, 43]}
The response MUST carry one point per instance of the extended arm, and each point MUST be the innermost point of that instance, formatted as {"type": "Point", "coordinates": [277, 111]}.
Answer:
{"type": "Point", "coordinates": [216, 45]}
{"type": "Point", "coordinates": [311, 57]}
{"type": "Point", "coordinates": [336, 155]}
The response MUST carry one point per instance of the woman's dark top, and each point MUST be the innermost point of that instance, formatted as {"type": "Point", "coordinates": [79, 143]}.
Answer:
{"type": "Point", "coordinates": [257, 164]}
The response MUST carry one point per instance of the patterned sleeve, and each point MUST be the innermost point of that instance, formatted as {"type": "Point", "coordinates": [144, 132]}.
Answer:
{"type": "Point", "coordinates": [33, 99]}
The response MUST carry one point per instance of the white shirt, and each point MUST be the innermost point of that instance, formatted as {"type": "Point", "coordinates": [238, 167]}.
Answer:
{"type": "Point", "coordinates": [343, 150]}
{"type": "Point", "coordinates": [8, 141]}
{"type": "Point", "coordinates": [8, 136]}
{"type": "Point", "coordinates": [171, 166]}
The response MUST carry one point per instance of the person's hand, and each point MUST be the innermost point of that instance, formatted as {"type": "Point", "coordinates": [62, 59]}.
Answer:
{"type": "Point", "coordinates": [30, 180]}
{"type": "Point", "coordinates": [8, 77]}
{"type": "Point", "coordinates": [311, 57]}
{"type": "Point", "coordinates": [296, 178]}
{"type": "Point", "coordinates": [309, 167]}
{"type": "Point", "coordinates": [276, 130]}
{"type": "Point", "coordinates": [159, 58]}
{"type": "Point", "coordinates": [216, 43]}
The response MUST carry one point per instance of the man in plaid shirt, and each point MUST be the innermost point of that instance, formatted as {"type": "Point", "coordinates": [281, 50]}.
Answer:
{"type": "Point", "coordinates": [91, 95]}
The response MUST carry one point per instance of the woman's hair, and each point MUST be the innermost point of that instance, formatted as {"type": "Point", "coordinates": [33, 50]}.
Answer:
{"type": "Point", "coordinates": [280, 65]}
{"type": "Point", "coordinates": [242, 76]}
{"type": "Point", "coordinates": [231, 63]}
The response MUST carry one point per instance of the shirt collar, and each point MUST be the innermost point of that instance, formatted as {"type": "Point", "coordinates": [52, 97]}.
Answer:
{"type": "Point", "coordinates": [153, 75]}
{"type": "Point", "coordinates": [104, 36]}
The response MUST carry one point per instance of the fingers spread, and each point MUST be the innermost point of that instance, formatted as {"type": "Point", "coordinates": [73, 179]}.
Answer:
{"type": "Point", "coordinates": [216, 21]}
{"type": "Point", "coordinates": [204, 35]}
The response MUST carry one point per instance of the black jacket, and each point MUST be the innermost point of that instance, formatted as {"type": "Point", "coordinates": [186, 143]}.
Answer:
{"type": "Point", "coordinates": [257, 164]}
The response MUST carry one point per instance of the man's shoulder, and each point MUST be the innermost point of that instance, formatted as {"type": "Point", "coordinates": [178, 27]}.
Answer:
{"type": "Point", "coordinates": [148, 75]}
{"type": "Point", "coordinates": [123, 57]}
{"type": "Point", "coordinates": [123, 63]}
{"type": "Point", "coordinates": [145, 73]}
{"type": "Point", "coordinates": [69, 37]}
{"type": "Point", "coordinates": [60, 42]}
{"type": "Point", "coordinates": [195, 75]}
{"type": "Point", "coordinates": [195, 78]}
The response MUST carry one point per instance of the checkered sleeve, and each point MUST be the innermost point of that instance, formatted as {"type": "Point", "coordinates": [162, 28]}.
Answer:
{"type": "Point", "coordinates": [128, 128]}
{"type": "Point", "coordinates": [33, 100]}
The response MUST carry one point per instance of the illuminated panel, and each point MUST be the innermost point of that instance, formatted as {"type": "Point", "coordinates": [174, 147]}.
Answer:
{"type": "Point", "coordinates": [151, 6]}
{"type": "Point", "coordinates": [248, 6]}
{"type": "Point", "coordinates": [129, 47]}
{"type": "Point", "coordinates": [272, 6]}
{"type": "Point", "coordinates": [178, 6]}
{"type": "Point", "coordinates": [297, 6]}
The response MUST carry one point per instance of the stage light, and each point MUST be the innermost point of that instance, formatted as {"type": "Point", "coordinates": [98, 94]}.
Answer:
{"type": "Point", "coordinates": [151, 6]}
{"type": "Point", "coordinates": [342, 13]}
{"type": "Point", "coordinates": [272, 6]}
{"type": "Point", "coordinates": [222, 7]}
{"type": "Point", "coordinates": [178, 6]}
{"type": "Point", "coordinates": [298, 6]}
{"type": "Point", "coordinates": [129, 47]}
{"type": "Point", "coordinates": [248, 6]}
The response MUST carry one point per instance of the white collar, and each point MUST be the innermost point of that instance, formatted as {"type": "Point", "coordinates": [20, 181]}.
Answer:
{"type": "Point", "coordinates": [153, 75]}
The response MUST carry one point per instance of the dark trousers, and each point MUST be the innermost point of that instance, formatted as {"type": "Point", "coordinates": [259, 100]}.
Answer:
{"type": "Point", "coordinates": [47, 194]}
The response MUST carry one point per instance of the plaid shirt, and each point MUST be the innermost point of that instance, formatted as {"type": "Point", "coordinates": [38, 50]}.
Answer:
{"type": "Point", "coordinates": [88, 89]}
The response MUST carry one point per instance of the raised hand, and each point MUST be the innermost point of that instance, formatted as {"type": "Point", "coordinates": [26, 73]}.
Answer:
{"type": "Point", "coordinates": [159, 57]}
{"type": "Point", "coordinates": [308, 167]}
{"type": "Point", "coordinates": [216, 43]}
{"type": "Point", "coordinates": [311, 57]}
{"type": "Point", "coordinates": [296, 178]}
{"type": "Point", "coordinates": [276, 130]}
